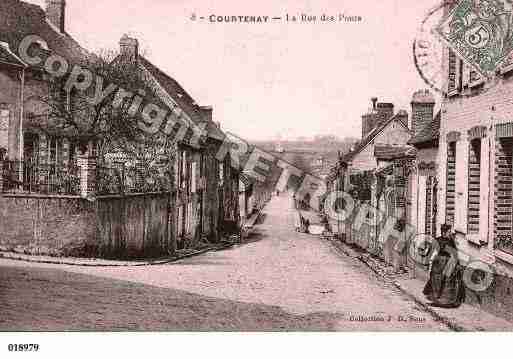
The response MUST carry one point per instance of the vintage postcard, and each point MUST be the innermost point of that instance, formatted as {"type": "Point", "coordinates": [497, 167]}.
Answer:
{"type": "Point", "coordinates": [255, 166]}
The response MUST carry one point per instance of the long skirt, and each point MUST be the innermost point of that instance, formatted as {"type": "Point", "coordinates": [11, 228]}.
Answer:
{"type": "Point", "coordinates": [445, 286]}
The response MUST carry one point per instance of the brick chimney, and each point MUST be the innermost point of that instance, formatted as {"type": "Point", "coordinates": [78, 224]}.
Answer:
{"type": "Point", "coordinates": [422, 110]}
{"type": "Point", "coordinates": [129, 48]}
{"type": "Point", "coordinates": [207, 112]}
{"type": "Point", "coordinates": [370, 119]}
{"type": "Point", "coordinates": [385, 111]}
{"type": "Point", "coordinates": [56, 13]}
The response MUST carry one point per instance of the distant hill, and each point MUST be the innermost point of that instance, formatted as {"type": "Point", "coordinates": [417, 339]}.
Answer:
{"type": "Point", "coordinates": [318, 144]}
{"type": "Point", "coordinates": [315, 155]}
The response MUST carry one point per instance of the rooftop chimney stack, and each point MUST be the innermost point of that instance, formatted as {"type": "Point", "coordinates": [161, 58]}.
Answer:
{"type": "Point", "coordinates": [422, 110]}
{"type": "Point", "coordinates": [374, 101]}
{"type": "Point", "coordinates": [385, 111]}
{"type": "Point", "coordinates": [207, 112]}
{"type": "Point", "coordinates": [369, 119]}
{"type": "Point", "coordinates": [56, 13]}
{"type": "Point", "coordinates": [129, 48]}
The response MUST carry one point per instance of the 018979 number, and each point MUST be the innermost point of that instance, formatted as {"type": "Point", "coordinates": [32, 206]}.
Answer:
{"type": "Point", "coordinates": [23, 347]}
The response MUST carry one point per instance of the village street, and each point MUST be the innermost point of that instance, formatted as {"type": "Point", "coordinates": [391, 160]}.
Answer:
{"type": "Point", "coordinates": [280, 280]}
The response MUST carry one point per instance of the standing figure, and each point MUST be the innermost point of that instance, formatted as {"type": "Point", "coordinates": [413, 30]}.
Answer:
{"type": "Point", "coordinates": [445, 286]}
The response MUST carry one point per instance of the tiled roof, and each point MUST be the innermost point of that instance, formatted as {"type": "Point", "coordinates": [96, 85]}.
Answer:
{"type": "Point", "coordinates": [19, 19]}
{"type": "Point", "coordinates": [370, 136]}
{"type": "Point", "coordinates": [182, 98]}
{"type": "Point", "coordinates": [388, 152]}
{"type": "Point", "coordinates": [430, 132]}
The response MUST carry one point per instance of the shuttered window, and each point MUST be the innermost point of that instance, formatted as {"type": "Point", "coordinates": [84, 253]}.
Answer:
{"type": "Point", "coordinates": [430, 215]}
{"type": "Point", "coordinates": [450, 201]}
{"type": "Point", "coordinates": [455, 74]}
{"type": "Point", "coordinates": [474, 186]}
{"type": "Point", "coordinates": [4, 128]}
{"type": "Point", "coordinates": [503, 194]}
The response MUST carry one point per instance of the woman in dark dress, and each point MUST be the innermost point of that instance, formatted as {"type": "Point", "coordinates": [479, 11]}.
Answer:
{"type": "Point", "coordinates": [445, 286]}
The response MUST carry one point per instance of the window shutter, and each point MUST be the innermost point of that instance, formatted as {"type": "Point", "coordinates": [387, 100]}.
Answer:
{"type": "Point", "coordinates": [429, 206]}
{"type": "Point", "coordinates": [176, 170]}
{"type": "Point", "coordinates": [474, 186]}
{"type": "Point", "coordinates": [461, 185]}
{"type": "Point", "coordinates": [465, 71]}
{"type": "Point", "coordinates": [503, 193]}
{"type": "Point", "coordinates": [5, 116]}
{"type": "Point", "coordinates": [422, 205]}
{"type": "Point", "coordinates": [452, 84]}
{"type": "Point", "coordinates": [485, 178]}
{"type": "Point", "coordinates": [450, 197]}
{"type": "Point", "coordinates": [193, 178]}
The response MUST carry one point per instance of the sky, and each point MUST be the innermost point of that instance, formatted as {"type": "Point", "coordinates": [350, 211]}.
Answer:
{"type": "Point", "coordinates": [275, 79]}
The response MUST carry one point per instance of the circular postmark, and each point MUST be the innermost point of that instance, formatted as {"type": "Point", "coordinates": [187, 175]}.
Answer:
{"type": "Point", "coordinates": [431, 59]}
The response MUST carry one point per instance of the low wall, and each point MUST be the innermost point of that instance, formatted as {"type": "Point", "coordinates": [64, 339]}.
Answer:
{"type": "Point", "coordinates": [53, 225]}
{"type": "Point", "coordinates": [135, 226]}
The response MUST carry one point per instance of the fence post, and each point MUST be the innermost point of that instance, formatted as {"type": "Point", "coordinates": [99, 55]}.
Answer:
{"type": "Point", "coordinates": [87, 168]}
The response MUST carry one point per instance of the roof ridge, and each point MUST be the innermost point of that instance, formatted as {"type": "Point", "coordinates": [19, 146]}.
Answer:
{"type": "Point", "coordinates": [376, 131]}
{"type": "Point", "coordinates": [167, 75]}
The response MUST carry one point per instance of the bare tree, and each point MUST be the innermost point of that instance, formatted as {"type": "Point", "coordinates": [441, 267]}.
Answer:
{"type": "Point", "coordinates": [108, 124]}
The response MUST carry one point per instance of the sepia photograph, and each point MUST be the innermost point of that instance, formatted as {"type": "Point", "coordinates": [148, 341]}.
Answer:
{"type": "Point", "coordinates": [203, 167]}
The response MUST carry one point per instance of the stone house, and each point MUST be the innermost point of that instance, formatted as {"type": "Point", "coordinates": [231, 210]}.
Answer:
{"type": "Point", "coordinates": [476, 172]}
{"type": "Point", "coordinates": [205, 189]}
{"type": "Point", "coordinates": [48, 201]}
{"type": "Point", "coordinates": [22, 84]}
{"type": "Point", "coordinates": [47, 217]}
{"type": "Point", "coordinates": [380, 143]}
{"type": "Point", "coordinates": [423, 180]}
{"type": "Point", "coordinates": [374, 176]}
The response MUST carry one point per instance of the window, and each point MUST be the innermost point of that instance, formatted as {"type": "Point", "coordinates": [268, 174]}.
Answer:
{"type": "Point", "coordinates": [182, 164]}
{"type": "Point", "coordinates": [450, 201]}
{"type": "Point", "coordinates": [54, 153]}
{"type": "Point", "coordinates": [221, 172]}
{"type": "Point", "coordinates": [72, 153]}
{"type": "Point", "coordinates": [30, 147]}
{"type": "Point", "coordinates": [474, 186]}
{"type": "Point", "coordinates": [4, 128]}
{"type": "Point", "coordinates": [193, 177]}
{"type": "Point", "coordinates": [453, 72]}
{"type": "Point", "coordinates": [503, 193]}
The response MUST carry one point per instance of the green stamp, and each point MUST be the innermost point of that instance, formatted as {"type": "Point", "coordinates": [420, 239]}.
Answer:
{"type": "Point", "coordinates": [480, 32]}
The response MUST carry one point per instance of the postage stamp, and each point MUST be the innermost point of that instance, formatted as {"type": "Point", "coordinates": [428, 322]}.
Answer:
{"type": "Point", "coordinates": [480, 32]}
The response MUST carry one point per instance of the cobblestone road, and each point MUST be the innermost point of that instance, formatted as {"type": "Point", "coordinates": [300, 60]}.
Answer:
{"type": "Point", "coordinates": [281, 280]}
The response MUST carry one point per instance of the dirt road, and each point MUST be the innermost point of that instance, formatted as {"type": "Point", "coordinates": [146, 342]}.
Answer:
{"type": "Point", "coordinates": [281, 280]}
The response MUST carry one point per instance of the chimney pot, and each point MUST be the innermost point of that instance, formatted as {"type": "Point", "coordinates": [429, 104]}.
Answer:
{"type": "Point", "coordinates": [56, 13]}
{"type": "Point", "coordinates": [374, 101]}
{"type": "Point", "coordinates": [129, 48]}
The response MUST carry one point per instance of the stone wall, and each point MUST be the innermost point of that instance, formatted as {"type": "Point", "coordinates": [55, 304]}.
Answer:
{"type": "Point", "coordinates": [111, 227]}
{"type": "Point", "coordinates": [47, 225]}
